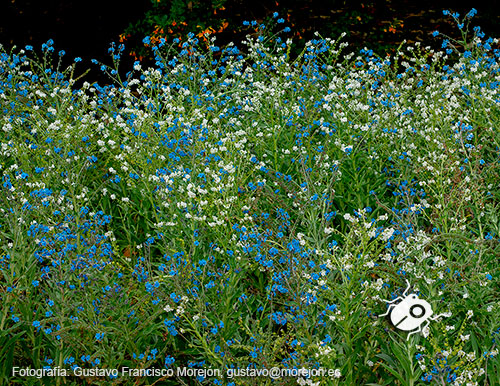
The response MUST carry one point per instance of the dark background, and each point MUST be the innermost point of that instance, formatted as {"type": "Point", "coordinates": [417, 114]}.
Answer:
{"type": "Point", "coordinates": [86, 28]}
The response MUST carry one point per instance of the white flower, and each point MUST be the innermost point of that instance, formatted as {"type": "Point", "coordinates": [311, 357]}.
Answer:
{"type": "Point", "coordinates": [167, 308]}
{"type": "Point", "coordinates": [180, 310]}
{"type": "Point", "coordinates": [471, 356]}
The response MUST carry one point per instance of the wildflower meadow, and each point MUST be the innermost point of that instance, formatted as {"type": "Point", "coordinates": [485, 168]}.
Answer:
{"type": "Point", "coordinates": [232, 210]}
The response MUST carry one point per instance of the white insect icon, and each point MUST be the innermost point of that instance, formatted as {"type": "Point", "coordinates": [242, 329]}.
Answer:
{"type": "Point", "coordinates": [411, 313]}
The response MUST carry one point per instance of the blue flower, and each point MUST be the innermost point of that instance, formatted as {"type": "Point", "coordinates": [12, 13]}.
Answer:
{"type": "Point", "coordinates": [472, 13]}
{"type": "Point", "coordinates": [169, 360]}
{"type": "Point", "coordinates": [242, 298]}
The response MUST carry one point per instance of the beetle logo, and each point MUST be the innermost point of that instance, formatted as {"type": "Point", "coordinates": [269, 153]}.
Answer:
{"type": "Point", "coordinates": [410, 313]}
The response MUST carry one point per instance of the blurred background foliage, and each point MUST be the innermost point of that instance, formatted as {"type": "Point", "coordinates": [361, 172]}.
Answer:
{"type": "Point", "coordinates": [378, 25]}
{"type": "Point", "coordinates": [86, 29]}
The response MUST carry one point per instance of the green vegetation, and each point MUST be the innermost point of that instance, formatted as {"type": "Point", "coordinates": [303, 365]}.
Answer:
{"type": "Point", "coordinates": [237, 208]}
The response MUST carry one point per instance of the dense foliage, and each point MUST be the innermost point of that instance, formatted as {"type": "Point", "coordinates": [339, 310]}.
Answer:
{"type": "Point", "coordinates": [234, 208]}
